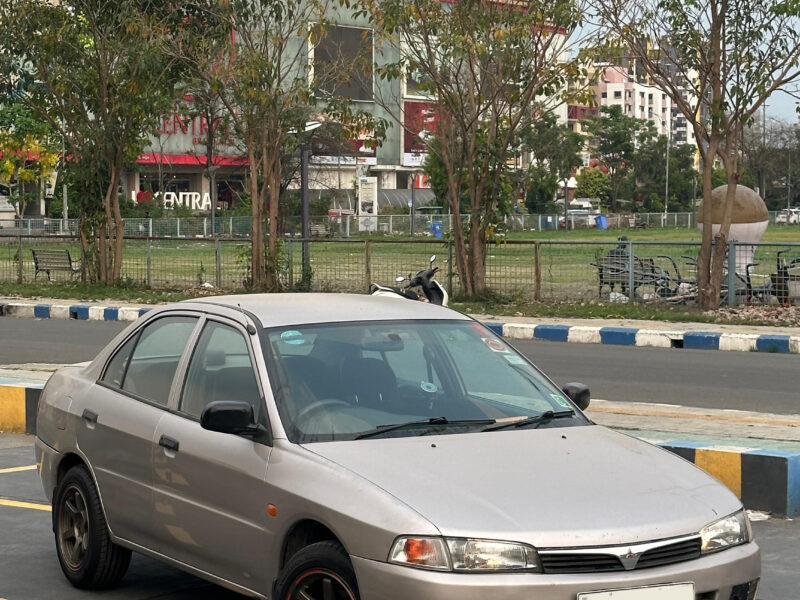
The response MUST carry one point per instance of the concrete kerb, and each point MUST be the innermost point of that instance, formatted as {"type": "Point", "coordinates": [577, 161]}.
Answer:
{"type": "Point", "coordinates": [657, 338]}
{"type": "Point", "coordinates": [80, 312]}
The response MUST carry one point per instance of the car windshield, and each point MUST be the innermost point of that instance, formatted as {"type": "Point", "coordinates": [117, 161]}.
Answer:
{"type": "Point", "coordinates": [348, 381]}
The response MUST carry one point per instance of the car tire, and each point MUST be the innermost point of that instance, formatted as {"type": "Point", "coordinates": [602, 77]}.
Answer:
{"type": "Point", "coordinates": [315, 567]}
{"type": "Point", "coordinates": [88, 557]}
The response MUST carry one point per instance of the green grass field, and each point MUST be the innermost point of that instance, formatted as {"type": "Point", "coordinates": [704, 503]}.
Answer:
{"type": "Point", "coordinates": [565, 260]}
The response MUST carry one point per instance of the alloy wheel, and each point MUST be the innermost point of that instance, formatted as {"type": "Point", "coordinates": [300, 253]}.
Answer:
{"type": "Point", "coordinates": [73, 527]}
{"type": "Point", "coordinates": [320, 584]}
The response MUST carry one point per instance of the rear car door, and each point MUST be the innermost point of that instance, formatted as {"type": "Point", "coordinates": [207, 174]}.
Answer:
{"type": "Point", "coordinates": [210, 490]}
{"type": "Point", "coordinates": [119, 417]}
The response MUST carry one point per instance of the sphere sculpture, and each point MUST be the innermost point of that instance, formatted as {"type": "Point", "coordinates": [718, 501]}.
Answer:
{"type": "Point", "coordinates": [749, 220]}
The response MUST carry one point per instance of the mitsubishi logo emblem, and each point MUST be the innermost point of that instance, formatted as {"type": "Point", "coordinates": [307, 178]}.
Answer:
{"type": "Point", "coordinates": [629, 559]}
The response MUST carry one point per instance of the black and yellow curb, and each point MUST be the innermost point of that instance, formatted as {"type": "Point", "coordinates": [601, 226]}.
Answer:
{"type": "Point", "coordinates": [18, 405]}
{"type": "Point", "coordinates": [767, 480]}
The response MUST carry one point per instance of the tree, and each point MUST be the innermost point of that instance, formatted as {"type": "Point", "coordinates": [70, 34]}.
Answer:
{"type": "Point", "coordinates": [555, 152]}
{"type": "Point", "coordinates": [96, 71]}
{"type": "Point", "coordinates": [649, 170]}
{"type": "Point", "coordinates": [28, 152]}
{"type": "Point", "coordinates": [483, 64]}
{"type": "Point", "coordinates": [718, 61]}
{"type": "Point", "coordinates": [593, 183]}
{"type": "Point", "coordinates": [612, 136]}
{"type": "Point", "coordinates": [264, 81]}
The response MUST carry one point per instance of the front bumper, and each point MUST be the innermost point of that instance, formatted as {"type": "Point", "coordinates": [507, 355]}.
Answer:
{"type": "Point", "coordinates": [714, 577]}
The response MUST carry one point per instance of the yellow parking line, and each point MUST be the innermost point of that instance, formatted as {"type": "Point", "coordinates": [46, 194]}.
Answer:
{"type": "Point", "coordinates": [31, 505]}
{"type": "Point", "coordinates": [16, 470]}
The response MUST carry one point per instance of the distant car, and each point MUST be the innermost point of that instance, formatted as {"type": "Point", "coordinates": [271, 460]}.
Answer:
{"type": "Point", "coordinates": [331, 447]}
{"type": "Point", "coordinates": [579, 218]}
{"type": "Point", "coordinates": [788, 216]}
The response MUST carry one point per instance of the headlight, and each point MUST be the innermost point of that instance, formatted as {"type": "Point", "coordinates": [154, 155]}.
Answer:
{"type": "Point", "coordinates": [463, 554]}
{"type": "Point", "coordinates": [726, 533]}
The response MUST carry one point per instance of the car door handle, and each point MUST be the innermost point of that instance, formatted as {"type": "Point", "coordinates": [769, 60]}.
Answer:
{"type": "Point", "coordinates": [169, 443]}
{"type": "Point", "coordinates": [89, 416]}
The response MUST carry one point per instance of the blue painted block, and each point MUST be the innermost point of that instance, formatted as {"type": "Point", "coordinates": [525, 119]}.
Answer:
{"type": "Point", "coordinates": [79, 311]}
{"type": "Point", "coordinates": [41, 311]}
{"type": "Point", "coordinates": [111, 313]}
{"type": "Point", "coordinates": [773, 343]}
{"type": "Point", "coordinates": [793, 486]}
{"type": "Point", "coordinates": [142, 311]}
{"type": "Point", "coordinates": [701, 340]}
{"type": "Point", "coordinates": [619, 336]}
{"type": "Point", "coordinates": [553, 333]}
{"type": "Point", "coordinates": [496, 328]}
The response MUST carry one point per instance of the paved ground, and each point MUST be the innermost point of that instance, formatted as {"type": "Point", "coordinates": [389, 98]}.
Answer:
{"type": "Point", "coordinates": [29, 569]}
{"type": "Point", "coordinates": [707, 379]}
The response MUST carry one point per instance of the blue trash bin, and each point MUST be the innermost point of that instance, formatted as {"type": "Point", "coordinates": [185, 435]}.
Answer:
{"type": "Point", "coordinates": [601, 222]}
{"type": "Point", "coordinates": [436, 229]}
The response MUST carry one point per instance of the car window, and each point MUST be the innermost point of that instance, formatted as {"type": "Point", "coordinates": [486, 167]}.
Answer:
{"type": "Point", "coordinates": [155, 358]}
{"type": "Point", "coordinates": [115, 370]}
{"type": "Point", "coordinates": [220, 369]}
{"type": "Point", "coordinates": [336, 382]}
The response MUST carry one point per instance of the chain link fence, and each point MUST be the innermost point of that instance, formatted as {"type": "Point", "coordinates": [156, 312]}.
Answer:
{"type": "Point", "coordinates": [346, 226]}
{"type": "Point", "coordinates": [546, 271]}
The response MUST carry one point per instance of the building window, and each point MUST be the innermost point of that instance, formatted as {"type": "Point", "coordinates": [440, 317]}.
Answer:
{"type": "Point", "coordinates": [343, 62]}
{"type": "Point", "coordinates": [604, 95]}
{"type": "Point", "coordinates": [617, 94]}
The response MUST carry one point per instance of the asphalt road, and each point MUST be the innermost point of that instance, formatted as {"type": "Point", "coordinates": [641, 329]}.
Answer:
{"type": "Point", "coordinates": [706, 379]}
{"type": "Point", "coordinates": [703, 378]}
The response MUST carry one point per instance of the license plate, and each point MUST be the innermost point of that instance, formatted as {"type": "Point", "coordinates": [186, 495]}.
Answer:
{"type": "Point", "coordinates": [678, 591]}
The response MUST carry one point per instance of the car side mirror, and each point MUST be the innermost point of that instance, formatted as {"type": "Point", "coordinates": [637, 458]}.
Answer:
{"type": "Point", "coordinates": [579, 394]}
{"type": "Point", "coordinates": [226, 416]}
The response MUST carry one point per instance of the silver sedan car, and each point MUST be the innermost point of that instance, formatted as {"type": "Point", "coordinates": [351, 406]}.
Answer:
{"type": "Point", "coordinates": [332, 447]}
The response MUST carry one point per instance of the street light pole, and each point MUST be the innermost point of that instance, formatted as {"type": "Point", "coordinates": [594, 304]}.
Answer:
{"type": "Point", "coordinates": [304, 152]}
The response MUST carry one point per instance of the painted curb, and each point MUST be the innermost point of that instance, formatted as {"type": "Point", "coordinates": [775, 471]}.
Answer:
{"type": "Point", "coordinates": [765, 480]}
{"type": "Point", "coordinates": [654, 338]}
{"type": "Point", "coordinates": [79, 312]}
{"type": "Point", "coordinates": [18, 404]}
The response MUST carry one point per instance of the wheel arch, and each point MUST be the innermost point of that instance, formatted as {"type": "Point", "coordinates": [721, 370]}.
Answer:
{"type": "Point", "coordinates": [304, 533]}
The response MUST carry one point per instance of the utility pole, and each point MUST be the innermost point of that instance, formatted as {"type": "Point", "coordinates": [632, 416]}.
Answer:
{"type": "Point", "coordinates": [413, 198]}
{"type": "Point", "coordinates": [304, 152]}
{"type": "Point", "coordinates": [763, 150]}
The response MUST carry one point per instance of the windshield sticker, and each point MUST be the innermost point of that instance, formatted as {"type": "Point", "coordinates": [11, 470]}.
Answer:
{"type": "Point", "coordinates": [494, 345]}
{"type": "Point", "coordinates": [429, 387]}
{"type": "Point", "coordinates": [295, 338]}
{"type": "Point", "coordinates": [514, 359]}
{"type": "Point", "coordinates": [560, 400]}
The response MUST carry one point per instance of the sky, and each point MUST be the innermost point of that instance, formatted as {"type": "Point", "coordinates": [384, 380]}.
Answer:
{"type": "Point", "coordinates": [782, 106]}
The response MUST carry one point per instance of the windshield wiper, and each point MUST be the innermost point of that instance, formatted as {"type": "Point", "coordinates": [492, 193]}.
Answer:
{"type": "Point", "coordinates": [536, 419]}
{"type": "Point", "coordinates": [433, 421]}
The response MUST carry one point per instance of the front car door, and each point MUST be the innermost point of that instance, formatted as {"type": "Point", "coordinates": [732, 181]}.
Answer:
{"type": "Point", "coordinates": [210, 498]}
{"type": "Point", "coordinates": [119, 417]}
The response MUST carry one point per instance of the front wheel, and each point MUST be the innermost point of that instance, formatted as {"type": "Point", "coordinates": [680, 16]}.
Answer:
{"type": "Point", "coordinates": [321, 571]}
{"type": "Point", "coordinates": [88, 557]}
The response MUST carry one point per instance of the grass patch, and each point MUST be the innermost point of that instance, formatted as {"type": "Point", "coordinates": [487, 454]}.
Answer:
{"type": "Point", "coordinates": [94, 292]}
{"type": "Point", "coordinates": [588, 310]}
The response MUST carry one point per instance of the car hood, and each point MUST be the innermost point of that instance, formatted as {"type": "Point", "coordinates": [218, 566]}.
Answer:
{"type": "Point", "coordinates": [558, 487]}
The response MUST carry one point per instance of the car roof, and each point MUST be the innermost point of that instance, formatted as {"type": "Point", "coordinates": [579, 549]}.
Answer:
{"type": "Point", "coordinates": [277, 310]}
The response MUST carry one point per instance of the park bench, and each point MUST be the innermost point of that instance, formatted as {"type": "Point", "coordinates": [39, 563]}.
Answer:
{"type": "Point", "coordinates": [319, 230]}
{"type": "Point", "coordinates": [53, 260]}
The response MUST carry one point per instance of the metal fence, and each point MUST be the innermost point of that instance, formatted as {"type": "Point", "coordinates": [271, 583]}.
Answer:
{"type": "Point", "coordinates": [546, 271]}
{"type": "Point", "coordinates": [353, 226]}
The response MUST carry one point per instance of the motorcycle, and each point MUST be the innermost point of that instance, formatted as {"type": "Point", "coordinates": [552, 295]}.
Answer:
{"type": "Point", "coordinates": [432, 291]}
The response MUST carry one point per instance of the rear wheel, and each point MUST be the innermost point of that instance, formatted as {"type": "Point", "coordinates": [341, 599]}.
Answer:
{"type": "Point", "coordinates": [321, 571]}
{"type": "Point", "coordinates": [88, 557]}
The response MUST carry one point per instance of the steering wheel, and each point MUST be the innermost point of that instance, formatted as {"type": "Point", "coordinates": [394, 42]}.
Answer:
{"type": "Point", "coordinates": [315, 406]}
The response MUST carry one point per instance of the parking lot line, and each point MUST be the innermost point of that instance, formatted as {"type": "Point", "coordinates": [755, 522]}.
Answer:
{"type": "Point", "coordinates": [17, 470]}
{"type": "Point", "coordinates": [31, 505]}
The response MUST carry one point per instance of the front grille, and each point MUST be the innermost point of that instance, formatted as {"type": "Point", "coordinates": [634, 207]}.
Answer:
{"type": "Point", "coordinates": [607, 560]}
{"type": "Point", "coordinates": [667, 555]}
{"type": "Point", "coordinates": [580, 563]}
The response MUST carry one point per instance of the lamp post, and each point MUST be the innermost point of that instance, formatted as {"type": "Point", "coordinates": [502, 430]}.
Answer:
{"type": "Point", "coordinates": [305, 152]}
{"type": "Point", "coordinates": [668, 127]}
